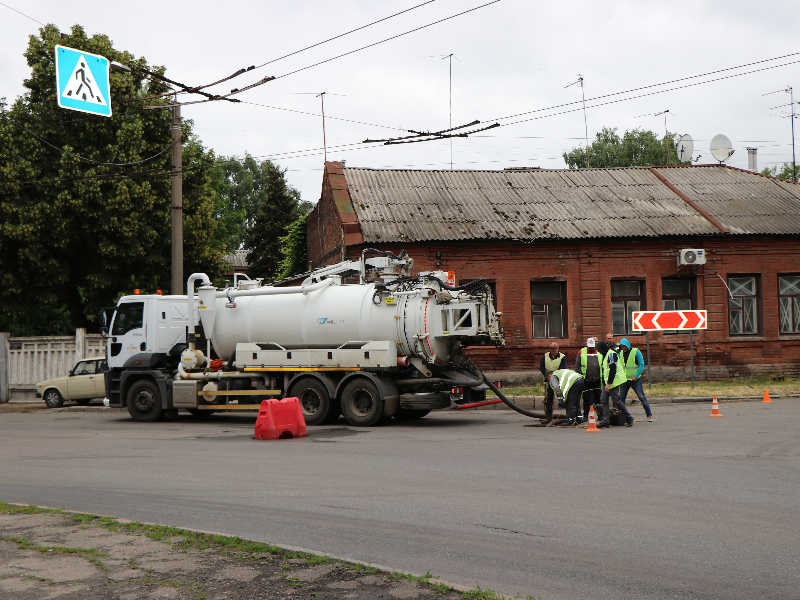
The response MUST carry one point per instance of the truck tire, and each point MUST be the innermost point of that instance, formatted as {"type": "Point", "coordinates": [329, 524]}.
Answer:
{"type": "Point", "coordinates": [318, 406]}
{"type": "Point", "coordinates": [362, 403]}
{"type": "Point", "coordinates": [144, 401]}
{"type": "Point", "coordinates": [53, 399]}
{"type": "Point", "coordinates": [410, 414]}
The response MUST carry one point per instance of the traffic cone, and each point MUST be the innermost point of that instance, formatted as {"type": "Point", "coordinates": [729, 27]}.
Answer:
{"type": "Point", "coordinates": [766, 397]}
{"type": "Point", "coordinates": [592, 421]}
{"type": "Point", "coordinates": [715, 408]}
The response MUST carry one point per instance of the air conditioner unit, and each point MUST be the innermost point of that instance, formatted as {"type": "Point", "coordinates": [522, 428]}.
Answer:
{"type": "Point", "coordinates": [691, 256]}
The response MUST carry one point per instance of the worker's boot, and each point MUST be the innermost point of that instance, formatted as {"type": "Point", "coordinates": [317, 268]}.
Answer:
{"type": "Point", "coordinates": [603, 424]}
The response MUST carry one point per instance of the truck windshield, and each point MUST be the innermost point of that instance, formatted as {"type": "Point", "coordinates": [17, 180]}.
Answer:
{"type": "Point", "coordinates": [129, 316]}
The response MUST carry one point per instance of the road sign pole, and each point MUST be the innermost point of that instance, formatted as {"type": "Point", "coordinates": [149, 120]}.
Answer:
{"type": "Point", "coordinates": [177, 203]}
{"type": "Point", "coordinates": [649, 375]}
{"type": "Point", "coordinates": [691, 353]}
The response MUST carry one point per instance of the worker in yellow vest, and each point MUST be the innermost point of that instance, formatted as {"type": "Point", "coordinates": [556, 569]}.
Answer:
{"type": "Point", "coordinates": [612, 376]}
{"type": "Point", "coordinates": [588, 363]}
{"type": "Point", "coordinates": [567, 386]}
{"type": "Point", "coordinates": [634, 366]}
{"type": "Point", "coordinates": [552, 361]}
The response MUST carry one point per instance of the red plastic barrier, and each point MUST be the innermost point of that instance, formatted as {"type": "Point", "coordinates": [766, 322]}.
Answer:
{"type": "Point", "coordinates": [280, 419]}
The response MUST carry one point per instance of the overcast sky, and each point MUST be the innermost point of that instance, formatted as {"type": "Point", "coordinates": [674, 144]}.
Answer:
{"type": "Point", "coordinates": [513, 56]}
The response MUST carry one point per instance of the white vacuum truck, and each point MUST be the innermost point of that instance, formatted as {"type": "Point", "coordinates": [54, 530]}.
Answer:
{"type": "Point", "coordinates": [390, 345]}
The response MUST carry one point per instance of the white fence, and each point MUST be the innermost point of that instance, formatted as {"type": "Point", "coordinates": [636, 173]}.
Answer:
{"type": "Point", "coordinates": [24, 361]}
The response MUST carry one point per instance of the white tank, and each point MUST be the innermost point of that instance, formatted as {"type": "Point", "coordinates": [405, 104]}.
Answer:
{"type": "Point", "coordinates": [337, 314]}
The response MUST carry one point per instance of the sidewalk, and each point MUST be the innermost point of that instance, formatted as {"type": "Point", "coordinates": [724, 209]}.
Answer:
{"type": "Point", "coordinates": [53, 554]}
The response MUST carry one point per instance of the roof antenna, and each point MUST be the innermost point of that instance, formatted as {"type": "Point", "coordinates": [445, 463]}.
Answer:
{"type": "Point", "coordinates": [450, 56]}
{"type": "Point", "coordinates": [789, 91]}
{"type": "Point", "coordinates": [586, 126]}
{"type": "Point", "coordinates": [321, 96]}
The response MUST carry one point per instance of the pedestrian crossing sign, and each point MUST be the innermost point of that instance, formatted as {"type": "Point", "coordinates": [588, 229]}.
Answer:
{"type": "Point", "coordinates": [82, 81]}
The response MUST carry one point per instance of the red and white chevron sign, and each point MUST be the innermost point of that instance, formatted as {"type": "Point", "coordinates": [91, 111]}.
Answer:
{"type": "Point", "coordinates": [652, 320]}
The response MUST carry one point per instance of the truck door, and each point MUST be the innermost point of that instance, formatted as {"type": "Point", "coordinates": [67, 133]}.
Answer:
{"type": "Point", "coordinates": [127, 338]}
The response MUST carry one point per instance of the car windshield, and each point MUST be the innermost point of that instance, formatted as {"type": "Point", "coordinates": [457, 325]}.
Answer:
{"type": "Point", "coordinates": [129, 316]}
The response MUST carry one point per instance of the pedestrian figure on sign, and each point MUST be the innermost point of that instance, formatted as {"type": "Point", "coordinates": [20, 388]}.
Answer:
{"type": "Point", "coordinates": [85, 81]}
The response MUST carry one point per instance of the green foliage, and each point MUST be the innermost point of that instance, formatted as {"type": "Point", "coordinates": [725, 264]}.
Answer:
{"type": "Point", "coordinates": [787, 172]}
{"type": "Point", "coordinates": [636, 148]}
{"type": "Point", "coordinates": [294, 250]}
{"type": "Point", "coordinates": [75, 234]}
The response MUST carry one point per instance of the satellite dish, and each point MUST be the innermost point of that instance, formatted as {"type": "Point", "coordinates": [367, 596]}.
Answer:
{"type": "Point", "coordinates": [685, 147]}
{"type": "Point", "coordinates": [721, 148]}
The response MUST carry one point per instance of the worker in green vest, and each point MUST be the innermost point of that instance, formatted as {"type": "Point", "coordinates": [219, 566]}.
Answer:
{"type": "Point", "coordinates": [552, 361]}
{"type": "Point", "coordinates": [612, 375]}
{"type": "Point", "coordinates": [634, 366]}
{"type": "Point", "coordinates": [567, 386]}
{"type": "Point", "coordinates": [588, 363]}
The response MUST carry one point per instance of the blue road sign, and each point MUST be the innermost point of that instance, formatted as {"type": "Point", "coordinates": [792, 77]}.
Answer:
{"type": "Point", "coordinates": [82, 81]}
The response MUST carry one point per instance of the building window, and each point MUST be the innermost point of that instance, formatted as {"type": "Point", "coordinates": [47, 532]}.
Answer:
{"type": "Point", "coordinates": [626, 297]}
{"type": "Point", "coordinates": [678, 294]}
{"type": "Point", "coordinates": [789, 298]}
{"type": "Point", "coordinates": [743, 306]}
{"type": "Point", "coordinates": [548, 309]}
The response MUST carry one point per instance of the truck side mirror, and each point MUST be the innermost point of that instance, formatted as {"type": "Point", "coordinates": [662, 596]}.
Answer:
{"type": "Point", "coordinates": [102, 320]}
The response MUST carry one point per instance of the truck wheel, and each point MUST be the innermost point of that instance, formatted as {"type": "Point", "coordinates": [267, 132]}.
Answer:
{"type": "Point", "coordinates": [318, 407]}
{"type": "Point", "coordinates": [362, 403]}
{"type": "Point", "coordinates": [144, 401]}
{"type": "Point", "coordinates": [53, 399]}
{"type": "Point", "coordinates": [83, 401]}
{"type": "Point", "coordinates": [410, 414]}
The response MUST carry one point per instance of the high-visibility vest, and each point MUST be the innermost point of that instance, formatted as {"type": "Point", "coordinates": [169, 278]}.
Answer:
{"type": "Point", "coordinates": [585, 360]}
{"type": "Point", "coordinates": [551, 364]}
{"type": "Point", "coordinates": [619, 378]}
{"type": "Point", "coordinates": [566, 378]}
{"type": "Point", "coordinates": [630, 363]}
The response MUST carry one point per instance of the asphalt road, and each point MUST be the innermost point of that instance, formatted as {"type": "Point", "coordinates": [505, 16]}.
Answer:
{"type": "Point", "coordinates": [685, 507]}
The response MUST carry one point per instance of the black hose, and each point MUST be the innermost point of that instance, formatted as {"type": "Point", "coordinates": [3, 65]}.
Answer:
{"type": "Point", "coordinates": [522, 411]}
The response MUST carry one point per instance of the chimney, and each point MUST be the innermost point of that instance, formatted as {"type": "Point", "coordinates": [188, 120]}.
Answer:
{"type": "Point", "coordinates": [752, 159]}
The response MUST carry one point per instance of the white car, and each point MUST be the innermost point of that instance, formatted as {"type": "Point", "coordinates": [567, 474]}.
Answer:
{"type": "Point", "coordinates": [84, 383]}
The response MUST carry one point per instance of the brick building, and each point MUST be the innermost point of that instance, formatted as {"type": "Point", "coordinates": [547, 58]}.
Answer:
{"type": "Point", "coordinates": [571, 254]}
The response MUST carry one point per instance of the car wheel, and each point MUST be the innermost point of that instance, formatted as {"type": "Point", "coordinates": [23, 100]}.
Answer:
{"type": "Point", "coordinates": [144, 401]}
{"type": "Point", "coordinates": [317, 405]}
{"type": "Point", "coordinates": [53, 399]}
{"type": "Point", "coordinates": [362, 403]}
{"type": "Point", "coordinates": [83, 401]}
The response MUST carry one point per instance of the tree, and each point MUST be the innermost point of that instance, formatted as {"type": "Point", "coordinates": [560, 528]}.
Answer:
{"type": "Point", "coordinates": [85, 200]}
{"type": "Point", "coordinates": [293, 249]}
{"type": "Point", "coordinates": [788, 171]}
{"type": "Point", "coordinates": [636, 148]}
{"type": "Point", "coordinates": [255, 207]}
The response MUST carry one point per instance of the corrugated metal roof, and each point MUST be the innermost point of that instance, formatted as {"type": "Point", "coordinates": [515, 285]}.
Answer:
{"type": "Point", "coordinates": [237, 259]}
{"type": "Point", "coordinates": [406, 205]}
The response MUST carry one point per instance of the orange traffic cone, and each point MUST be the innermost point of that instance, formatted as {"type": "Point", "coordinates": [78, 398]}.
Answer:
{"type": "Point", "coordinates": [766, 397]}
{"type": "Point", "coordinates": [715, 408]}
{"type": "Point", "coordinates": [592, 421]}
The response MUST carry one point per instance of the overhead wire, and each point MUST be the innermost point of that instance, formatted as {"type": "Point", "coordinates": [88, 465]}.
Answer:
{"type": "Point", "coordinates": [652, 86]}
{"type": "Point", "coordinates": [83, 158]}
{"type": "Point", "coordinates": [322, 62]}
{"type": "Point", "coordinates": [23, 14]}
{"type": "Point", "coordinates": [336, 37]}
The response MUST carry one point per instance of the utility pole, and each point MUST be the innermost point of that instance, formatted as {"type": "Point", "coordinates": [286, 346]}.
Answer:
{"type": "Point", "coordinates": [324, 142]}
{"type": "Point", "coordinates": [794, 164]}
{"type": "Point", "coordinates": [450, 57]}
{"type": "Point", "coordinates": [177, 202]}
